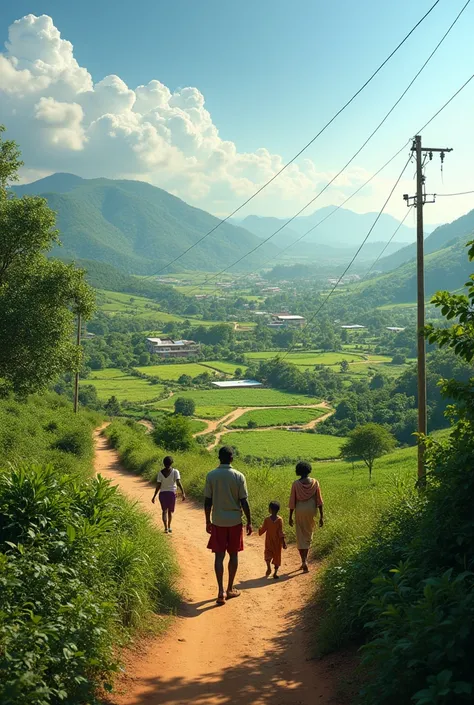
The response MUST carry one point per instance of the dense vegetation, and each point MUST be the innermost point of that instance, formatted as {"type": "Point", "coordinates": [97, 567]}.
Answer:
{"type": "Point", "coordinates": [79, 565]}
{"type": "Point", "coordinates": [408, 588]}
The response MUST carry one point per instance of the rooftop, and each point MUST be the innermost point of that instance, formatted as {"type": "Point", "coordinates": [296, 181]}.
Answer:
{"type": "Point", "coordinates": [355, 325]}
{"type": "Point", "coordinates": [288, 317]}
{"type": "Point", "coordinates": [237, 383]}
{"type": "Point", "coordinates": [168, 341]}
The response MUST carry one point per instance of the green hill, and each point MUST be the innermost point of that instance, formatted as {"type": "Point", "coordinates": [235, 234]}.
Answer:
{"type": "Point", "coordinates": [447, 268]}
{"type": "Point", "coordinates": [441, 237]}
{"type": "Point", "coordinates": [139, 228]}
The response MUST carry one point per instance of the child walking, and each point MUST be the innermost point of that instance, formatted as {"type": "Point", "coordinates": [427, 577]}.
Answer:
{"type": "Point", "coordinates": [167, 482]}
{"type": "Point", "coordinates": [274, 539]}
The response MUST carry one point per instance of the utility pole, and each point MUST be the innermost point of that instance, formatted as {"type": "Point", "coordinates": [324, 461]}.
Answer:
{"type": "Point", "coordinates": [76, 377]}
{"type": "Point", "coordinates": [421, 154]}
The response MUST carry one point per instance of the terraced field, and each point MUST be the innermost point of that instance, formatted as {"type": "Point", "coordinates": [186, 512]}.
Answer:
{"type": "Point", "coordinates": [174, 372]}
{"type": "Point", "coordinates": [284, 444]}
{"type": "Point", "coordinates": [242, 397]}
{"type": "Point", "coordinates": [114, 382]}
{"type": "Point", "coordinates": [277, 417]}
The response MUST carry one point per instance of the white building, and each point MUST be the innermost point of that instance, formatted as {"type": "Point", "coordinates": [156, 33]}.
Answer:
{"type": "Point", "coordinates": [165, 347]}
{"type": "Point", "coordinates": [287, 320]}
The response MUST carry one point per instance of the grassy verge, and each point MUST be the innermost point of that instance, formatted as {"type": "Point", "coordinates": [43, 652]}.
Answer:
{"type": "Point", "coordinates": [81, 567]}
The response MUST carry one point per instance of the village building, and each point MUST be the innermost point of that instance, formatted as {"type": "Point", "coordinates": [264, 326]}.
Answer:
{"type": "Point", "coordinates": [168, 348]}
{"type": "Point", "coordinates": [287, 320]}
{"type": "Point", "coordinates": [238, 383]}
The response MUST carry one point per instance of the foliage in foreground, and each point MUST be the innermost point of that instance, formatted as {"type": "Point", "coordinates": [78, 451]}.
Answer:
{"type": "Point", "coordinates": [79, 565]}
{"type": "Point", "coordinates": [409, 589]}
{"type": "Point", "coordinates": [39, 297]}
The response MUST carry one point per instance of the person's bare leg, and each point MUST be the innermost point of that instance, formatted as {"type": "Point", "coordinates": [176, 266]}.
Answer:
{"type": "Point", "coordinates": [269, 569]}
{"type": "Point", "coordinates": [233, 565]}
{"type": "Point", "coordinates": [170, 516]}
{"type": "Point", "coordinates": [304, 559]}
{"type": "Point", "coordinates": [219, 569]}
{"type": "Point", "coordinates": [165, 519]}
{"type": "Point", "coordinates": [275, 572]}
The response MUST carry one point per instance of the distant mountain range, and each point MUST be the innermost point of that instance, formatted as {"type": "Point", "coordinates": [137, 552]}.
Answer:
{"type": "Point", "coordinates": [139, 228]}
{"type": "Point", "coordinates": [343, 229]}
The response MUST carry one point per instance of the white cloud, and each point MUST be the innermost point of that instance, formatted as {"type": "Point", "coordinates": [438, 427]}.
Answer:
{"type": "Point", "coordinates": [63, 121]}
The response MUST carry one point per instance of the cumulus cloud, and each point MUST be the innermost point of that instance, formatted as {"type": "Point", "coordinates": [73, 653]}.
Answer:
{"type": "Point", "coordinates": [65, 121]}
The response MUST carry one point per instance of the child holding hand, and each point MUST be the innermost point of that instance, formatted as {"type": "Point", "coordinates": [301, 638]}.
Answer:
{"type": "Point", "coordinates": [274, 539]}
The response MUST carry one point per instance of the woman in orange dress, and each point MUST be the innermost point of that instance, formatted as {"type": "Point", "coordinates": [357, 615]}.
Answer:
{"type": "Point", "coordinates": [305, 500]}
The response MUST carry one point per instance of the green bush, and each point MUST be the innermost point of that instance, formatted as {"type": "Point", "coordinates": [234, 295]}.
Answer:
{"type": "Point", "coordinates": [78, 565]}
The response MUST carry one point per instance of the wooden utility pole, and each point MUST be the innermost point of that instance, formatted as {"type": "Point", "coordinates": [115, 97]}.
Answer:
{"type": "Point", "coordinates": [76, 377]}
{"type": "Point", "coordinates": [421, 154]}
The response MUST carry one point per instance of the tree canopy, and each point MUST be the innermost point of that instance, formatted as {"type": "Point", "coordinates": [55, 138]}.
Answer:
{"type": "Point", "coordinates": [39, 297]}
{"type": "Point", "coordinates": [368, 442]}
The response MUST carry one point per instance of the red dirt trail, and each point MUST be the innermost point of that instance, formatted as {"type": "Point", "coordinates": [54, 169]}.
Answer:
{"type": "Point", "coordinates": [252, 651]}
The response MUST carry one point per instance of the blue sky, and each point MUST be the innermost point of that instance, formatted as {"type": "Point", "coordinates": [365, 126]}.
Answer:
{"type": "Point", "coordinates": [272, 72]}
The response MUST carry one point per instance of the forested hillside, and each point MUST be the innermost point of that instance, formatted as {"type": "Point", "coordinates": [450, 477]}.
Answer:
{"type": "Point", "coordinates": [444, 269]}
{"type": "Point", "coordinates": [440, 238]}
{"type": "Point", "coordinates": [137, 227]}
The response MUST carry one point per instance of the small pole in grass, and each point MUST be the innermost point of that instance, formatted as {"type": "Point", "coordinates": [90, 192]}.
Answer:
{"type": "Point", "coordinates": [76, 377]}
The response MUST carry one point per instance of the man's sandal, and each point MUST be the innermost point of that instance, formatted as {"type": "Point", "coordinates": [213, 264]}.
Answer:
{"type": "Point", "coordinates": [233, 593]}
{"type": "Point", "coordinates": [220, 600]}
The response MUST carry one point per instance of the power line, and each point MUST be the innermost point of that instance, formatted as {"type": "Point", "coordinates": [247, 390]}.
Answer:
{"type": "Point", "coordinates": [389, 241]}
{"type": "Point", "coordinates": [336, 208]}
{"type": "Point", "coordinates": [461, 193]}
{"type": "Point", "coordinates": [354, 156]}
{"type": "Point", "coordinates": [293, 159]}
{"type": "Point", "coordinates": [324, 302]}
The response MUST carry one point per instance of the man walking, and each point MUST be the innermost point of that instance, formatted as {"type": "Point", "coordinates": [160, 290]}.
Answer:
{"type": "Point", "coordinates": [225, 494]}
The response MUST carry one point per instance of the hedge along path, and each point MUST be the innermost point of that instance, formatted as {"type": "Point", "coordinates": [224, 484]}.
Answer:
{"type": "Point", "coordinates": [213, 425]}
{"type": "Point", "coordinates": [251, 651]}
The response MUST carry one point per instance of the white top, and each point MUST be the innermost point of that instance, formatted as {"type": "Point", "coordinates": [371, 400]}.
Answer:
{"type": "Point", "coordinates": [168, 484]}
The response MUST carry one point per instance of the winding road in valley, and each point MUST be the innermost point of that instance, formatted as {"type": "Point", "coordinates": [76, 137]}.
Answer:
{"type": "Point", "coordinates": [254, 650]}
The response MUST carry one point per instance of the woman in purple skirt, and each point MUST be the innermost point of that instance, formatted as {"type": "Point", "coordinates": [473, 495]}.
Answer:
{"type": "Point", "coordinates": [167, 482]}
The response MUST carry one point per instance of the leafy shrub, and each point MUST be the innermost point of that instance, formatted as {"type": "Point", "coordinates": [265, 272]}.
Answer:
{"type": "Point", "coordinates": [174, 433]}
{"type": "Point", "coordinates": [76, 442]}
{"type": "Point", "coordinates": [184, 406]}
{"type": "Point", "coordinates": [78, 564]}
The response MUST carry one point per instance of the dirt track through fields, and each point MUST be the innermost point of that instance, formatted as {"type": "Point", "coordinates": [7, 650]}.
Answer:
{"type": "Point", "coordinates": [252, 651]}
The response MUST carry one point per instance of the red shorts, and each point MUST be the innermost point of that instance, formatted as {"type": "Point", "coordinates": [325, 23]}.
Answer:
{"type": "Point", "coordinates": [226, 538]}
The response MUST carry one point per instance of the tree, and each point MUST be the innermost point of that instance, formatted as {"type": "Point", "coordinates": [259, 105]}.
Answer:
{"type": "Point", "coordinates": [185, 380]}
{"type": "Point", "coordinates": [344, 366]}
{"type": "Point", "coordinates": [112, 406]}
{"type": "Point", "coordinates": [398, 359]}
{"type": "Point", "coordinates": [368, 442]}
{"type": "Point", "coordinates": [39, 297]}
{"type": "Point", "coordinates": [144, 358]}
{"type": "Point", "coordinates": [174, 433]}
{"type": "Point", "coordinates": [184, 406]}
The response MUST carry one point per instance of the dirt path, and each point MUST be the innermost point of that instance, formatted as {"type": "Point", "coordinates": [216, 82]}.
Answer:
{"type": "Point", "coordinates": [213, 424]}
{"type": "Point", "coordinates": [252, 651]}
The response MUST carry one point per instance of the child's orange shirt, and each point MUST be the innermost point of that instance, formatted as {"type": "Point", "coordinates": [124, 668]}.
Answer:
{"type": "Point", "coordinates": [274, 536]}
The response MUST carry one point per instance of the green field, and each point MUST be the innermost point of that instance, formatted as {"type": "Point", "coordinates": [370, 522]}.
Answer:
{"type": "Point", "coordinates": [204, 412]}
{"type": "Point", "coordinates": [308, 358]}
{"type": "Point", "coordinates": [277, 417]}
{"type": "Point", "coordinates": [113, 382]}
{"type": "Point", "coordinates": [174, 372]}
{"type": "Point", "coordinates": [227, 368]}
{"type": "Point", "coordinates": [240, 397]}
{"type": "Point", "coordinates": [279, 444]}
